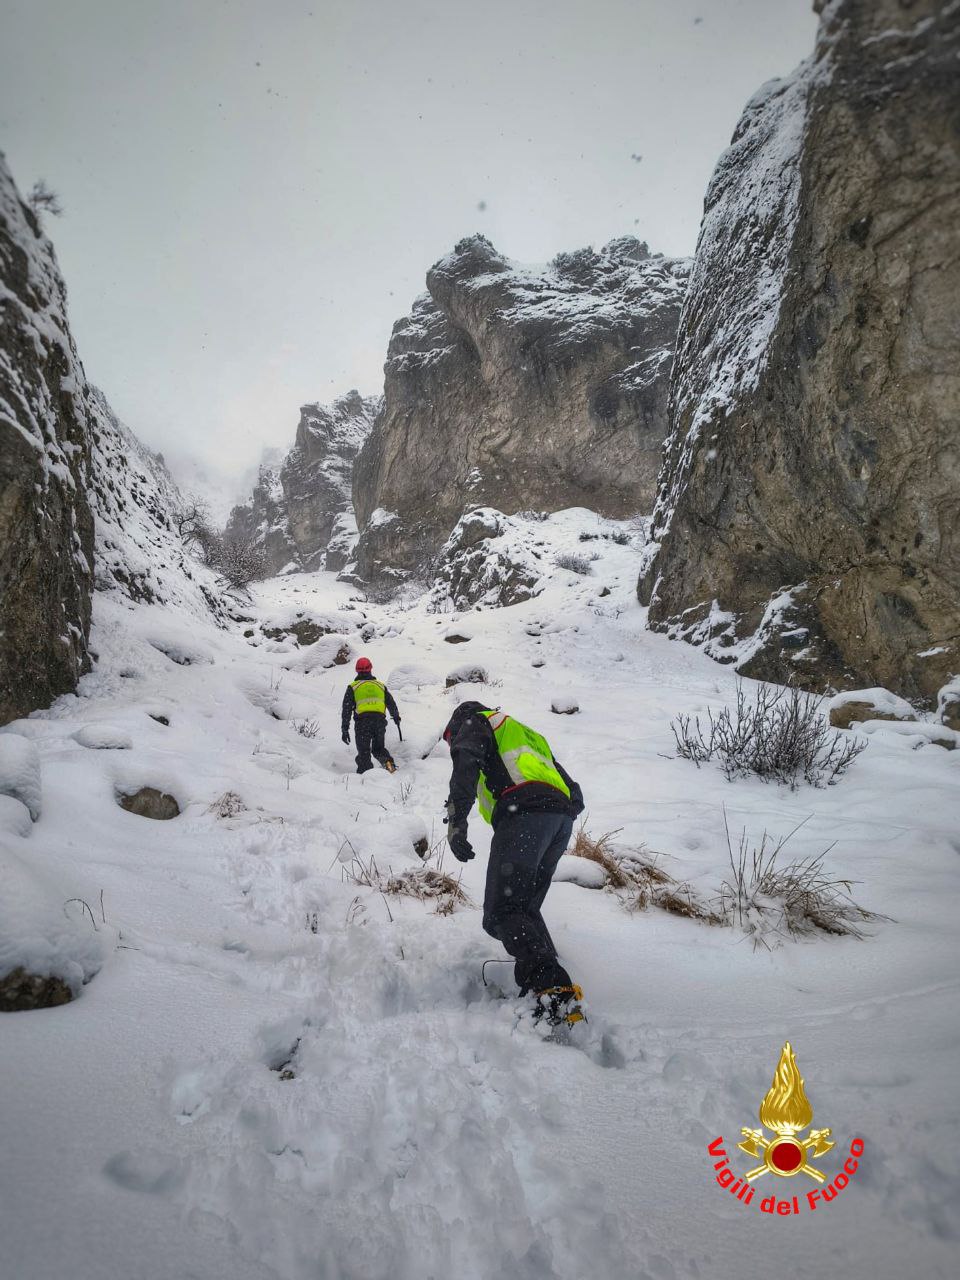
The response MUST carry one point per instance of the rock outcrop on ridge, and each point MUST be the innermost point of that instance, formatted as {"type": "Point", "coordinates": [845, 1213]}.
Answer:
{"type": "Point", "coordinates": [808, 517]}
{"type": "Point", "coordinates": [518, 388]}
{"type": "Point", "coordinates": [46, 526]}
{"type": "Point", "coordinates": [301, 510]}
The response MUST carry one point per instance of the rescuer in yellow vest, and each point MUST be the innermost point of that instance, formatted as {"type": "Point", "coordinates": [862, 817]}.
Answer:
{"type": "Point", "coordinates": [368, 700]}
{"type": "Point", "coordinates": [531, 801]}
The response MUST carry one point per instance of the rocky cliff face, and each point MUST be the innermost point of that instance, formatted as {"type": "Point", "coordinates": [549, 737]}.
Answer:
{"type": "Point", "coordinates": [518, 388]}
{"type": "Point", "coordinates": [301, 511]}
{"type": "Point", "coordinates": [808, 521]}
{"type": "Point", "coordinates": [46, 527]}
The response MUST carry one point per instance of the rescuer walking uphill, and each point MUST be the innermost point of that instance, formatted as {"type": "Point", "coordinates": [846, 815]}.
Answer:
{"type": "Point", "coordinates": [368, 700]}
{"type": "Point", "coordinates": [531, 802]}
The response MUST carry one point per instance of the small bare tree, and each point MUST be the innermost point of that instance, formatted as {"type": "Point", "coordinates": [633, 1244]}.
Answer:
{"type": "Point", "coordinates": [43, 200]}
{"type": "Point", "coordinates": [192, 521]}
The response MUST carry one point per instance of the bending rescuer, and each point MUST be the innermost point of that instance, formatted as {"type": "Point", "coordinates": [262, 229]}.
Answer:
{"type": "Point", "coordinates": [531, 801]}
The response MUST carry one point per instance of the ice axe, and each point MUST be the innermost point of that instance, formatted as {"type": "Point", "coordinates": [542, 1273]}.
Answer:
{"type": "Point", "coordinates": [399, 730]}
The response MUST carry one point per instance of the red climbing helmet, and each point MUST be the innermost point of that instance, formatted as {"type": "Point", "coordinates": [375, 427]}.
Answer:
{"type": "Point", "coordinates": [364, 664]}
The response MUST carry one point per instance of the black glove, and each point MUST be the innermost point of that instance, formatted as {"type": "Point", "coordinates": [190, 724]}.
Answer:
{"type": "Point", "coordinates": [459, 844]}
{"type": "Point", "coordinates": [346, 736]}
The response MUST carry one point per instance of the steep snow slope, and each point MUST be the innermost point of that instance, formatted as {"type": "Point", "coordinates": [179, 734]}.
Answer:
{"type": "Point", "coordinates": [425, 1132]}
{"type": "Point", "coordinates": [135, 499]}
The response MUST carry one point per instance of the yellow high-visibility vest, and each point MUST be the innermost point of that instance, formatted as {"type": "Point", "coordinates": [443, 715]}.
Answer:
{"type": "Point", "coordinates": [369, 695]}
{"type": "Point", "coordinates": [526, 756]}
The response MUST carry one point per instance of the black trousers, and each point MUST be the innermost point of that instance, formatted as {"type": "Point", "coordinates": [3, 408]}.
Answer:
{"type": "Point", "coordinates": [523, 857]}
{"type": "Point", "coordinates": [369, 731]}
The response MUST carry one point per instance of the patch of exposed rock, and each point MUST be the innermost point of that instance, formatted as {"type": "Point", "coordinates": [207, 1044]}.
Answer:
{"type": "Point", "coordinates": [150, 802]}
{"type": "Point", "coordinates": [20, 991]}
{"type": "Point", "coordinates": [301, 510]}
{"type": "Point", "coordinates": [46, 526]}
{"type": "Point", "coordinates": [518, 388]}
{"type": "Point", "coordinates": [808, 523]}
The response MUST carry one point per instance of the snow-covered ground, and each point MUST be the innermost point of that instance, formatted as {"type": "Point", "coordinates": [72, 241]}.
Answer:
{"type": "Point", "coordinates": [276, 1072]}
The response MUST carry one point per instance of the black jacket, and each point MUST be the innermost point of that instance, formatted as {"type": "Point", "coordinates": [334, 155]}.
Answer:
{"type": "Point", "coordinates": [349, 707]}
{"type": "Point", "coordinates": [473, 749]}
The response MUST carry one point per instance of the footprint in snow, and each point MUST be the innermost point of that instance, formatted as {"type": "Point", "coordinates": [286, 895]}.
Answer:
{"type": "Point", "coordinates": [145, 1171]}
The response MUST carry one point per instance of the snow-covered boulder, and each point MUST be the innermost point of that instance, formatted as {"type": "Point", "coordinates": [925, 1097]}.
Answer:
{"type": "Point", "coordinates": [179, 646]}
{"type": "Point", "coordinates": [103, 737]}
{"type": "Point", "coordinates": [581, 871]}
{"type": "Point", "coordinates": [47, 952]}
{"type": "Point", "coordinates": [149, 802]}
{"type": "Point", "coordinates": [306, 626]}
{"type": "Point", "coordinates": [471, 673]}
{"type": "Point", "coordinates": [330, 651]}
{"type": "Point", "coordinates": [490, 560]}
{"type": "Point", "coordinates": [411, 676]}
{"type": "Point", "coordinates": [948, 704]}
{"type": "Point", "coordinates": [857, 705]}
{"type": "Point", "coordinates": [20, 771]}
{"type": "Point", "coordinates": [15, 817]}
{"type": "Point", "coordinates": [564, 706]}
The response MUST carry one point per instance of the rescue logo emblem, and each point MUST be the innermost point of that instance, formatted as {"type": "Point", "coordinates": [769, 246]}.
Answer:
{"type": "Point", "coordinates": [786, 1111]}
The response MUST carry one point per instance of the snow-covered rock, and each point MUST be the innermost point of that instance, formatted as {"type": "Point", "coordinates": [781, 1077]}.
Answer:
{"type": "Point", "coordinates": [41, 937]}
{"type": "Point", "coordinates": [20, 771]}
{"type": "Point", "coordinates": [103, 737]}
{"type": "Point", "coordinates": [489, 560]}
{"type": "Point", "coordinates": [858, 705]}
{"type": "Point", "coordinates": [15, 819]}
{"type": "Point", "coordinates": [948, 704]}
{"type": "Point", "coordinates": [564, 705]}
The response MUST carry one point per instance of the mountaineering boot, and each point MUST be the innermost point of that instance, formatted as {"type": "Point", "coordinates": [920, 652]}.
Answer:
{"type": "Point", "coordinates": [560, 1006]}
{"type": "Point", "coordinates": [390, 766]}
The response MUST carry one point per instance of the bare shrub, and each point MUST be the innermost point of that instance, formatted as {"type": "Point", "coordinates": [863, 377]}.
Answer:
{"type": "Point", "coordinates": [307, 728]}
{"type": "Point", "coordinates": [575, 563]}
{"type": "Point", "coordinates": [780, 737]}
{"type": "Point", "coordinates": [238, 560]}
{"type": "Point", "coordinates": [621, 538]}
{"type": "Point", "coordinates": [43, 200]}
{"type": "Point", "coordinates": [229, 805]}
{"type": "Point", "coordinates": [771, 900]}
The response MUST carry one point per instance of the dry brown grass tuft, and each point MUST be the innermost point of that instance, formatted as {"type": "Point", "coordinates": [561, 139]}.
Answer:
{"type": "Point", "coordinates": [229, 805]}
{"type": "Point", "coordinates": [637, 880]}
{"type": "Point", "coordinates": [600, 850]}
{"type": "Point", "coordinates": [424, 883]}
{"type": "Point", "coordinates": [771, 900]}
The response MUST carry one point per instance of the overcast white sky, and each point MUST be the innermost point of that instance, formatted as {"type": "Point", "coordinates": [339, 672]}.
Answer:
{"type": "Point", "coordinates": [254, 189]}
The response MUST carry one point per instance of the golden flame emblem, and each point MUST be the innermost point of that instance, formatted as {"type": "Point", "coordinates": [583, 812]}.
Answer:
{"type": "Point", "coordinates": [786, 1110]}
